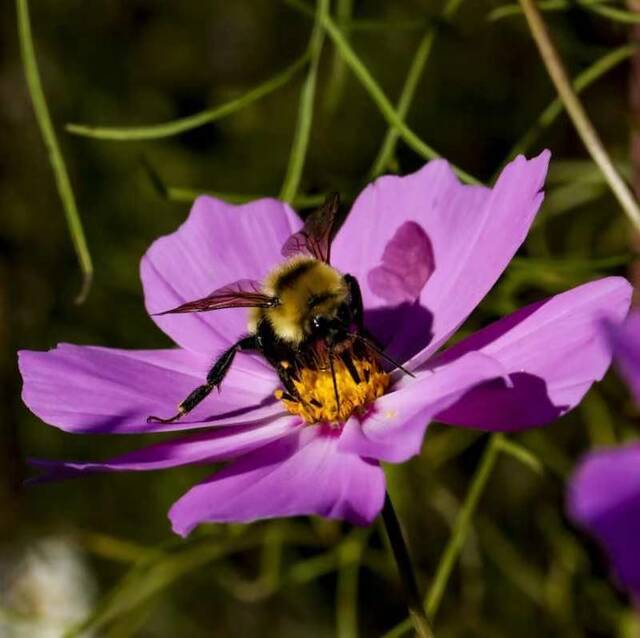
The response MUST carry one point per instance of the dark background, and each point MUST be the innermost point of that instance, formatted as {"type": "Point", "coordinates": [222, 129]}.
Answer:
{"type": "Point", "coordinates": [524, 570]}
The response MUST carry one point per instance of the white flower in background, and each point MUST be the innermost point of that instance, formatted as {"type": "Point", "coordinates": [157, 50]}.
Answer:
{"type": "Point", "coordinates": [45, 587]}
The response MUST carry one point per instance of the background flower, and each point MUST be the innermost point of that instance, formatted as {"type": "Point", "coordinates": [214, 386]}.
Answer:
{"type": "Point", "coordinates": [604, 492]}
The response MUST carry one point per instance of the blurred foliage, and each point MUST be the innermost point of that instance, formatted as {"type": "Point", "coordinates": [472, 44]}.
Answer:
{"type": "Point", "coordinates": [479, 91]}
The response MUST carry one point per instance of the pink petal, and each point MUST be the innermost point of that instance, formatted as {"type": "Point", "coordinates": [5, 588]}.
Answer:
{"type": "Point", "coordinates": [552, 351]}
{"type": "Point", "coordinates": [394, 429]}
{"type": "Point", "coordinates": [474, 232]}
{"type": "Point", "coordinates": [625, 341]}
{"type": "Point", "coordinates": [205, 447]}
{"type": "Point", "coordinates": [87, 389]}
{"type": "Point", "coordinates": [302, 474]}
{"type": "Point", "coordinates": [218, 244]}
{"type": "Point", "coordinates": [604, 498]}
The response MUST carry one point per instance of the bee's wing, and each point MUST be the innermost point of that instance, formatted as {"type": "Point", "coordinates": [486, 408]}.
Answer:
{"type": "Point", "coordinates": [244, 293]}
{"type": "Point", "coordinates": [315, 236]}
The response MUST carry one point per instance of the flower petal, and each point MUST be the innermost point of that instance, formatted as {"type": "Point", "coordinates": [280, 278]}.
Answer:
{"type": "Point", "coordinates": [218, 244]}
{"type": "Point", "coordinates": [205, 447]}
{"type": "Point", "coordinates": [473, 231]}
{"type": "Point", "coordinates": [304, 473]}
{"type": "Point", "coordinates": [87, 389]}
{"type": "Point", "coordinates": [625, 341]}
{"type": "Point", "coordinates": [394, 430]}
{"type": "Point", "coordinates": [552, 351]}
{"type": "Point", "coordinates": [604, 498]}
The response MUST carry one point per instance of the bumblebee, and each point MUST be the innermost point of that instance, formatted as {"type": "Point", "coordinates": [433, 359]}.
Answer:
{"type": "Point", "coordinates": [303, 318]}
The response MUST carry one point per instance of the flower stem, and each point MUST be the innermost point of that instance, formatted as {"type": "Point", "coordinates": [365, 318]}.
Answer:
{"type": "Point", "coordinates": [302, 134]}
{"type": "Point", "coordinates": [43, 118]}
{"type": "Point", "coordinates": [401, 556]}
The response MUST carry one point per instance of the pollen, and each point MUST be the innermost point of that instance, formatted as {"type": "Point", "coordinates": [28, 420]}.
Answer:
{"type": "Point", "coordinates": [318, 402]}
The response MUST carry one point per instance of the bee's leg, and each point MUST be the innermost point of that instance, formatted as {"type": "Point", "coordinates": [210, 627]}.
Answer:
{"type": "Point", "coordinates": [214, 379]}
{"type": "Point", "coordinates": [355, 301]}
{"type": "Point", "coordinates": [348, 363]}
{"type": "Point", "coordinates": [286, 372]}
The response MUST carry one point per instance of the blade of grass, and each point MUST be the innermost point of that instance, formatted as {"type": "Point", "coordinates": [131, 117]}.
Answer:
{"type": "Point", "coordinates": [63, 183]}
{"type": "Point", "coordinates": [305, 109]}
{"type": "Point", "coordinates": [463, 524]}
{"type": "Point", "coordinates": [581, 82]}
{"type": "Point", "coordinates": [179, 194]}
{"type": "Point", "coordinates": [188, 195]}
{"type": "Point", "coordinates": [380, 99]}
{"type": "Point", "coordinates": [576, 111]}
{"type": "Point", "coordinates": [387, 150]}
{"type": "Point", "coordinates": [160, 568]}
{"type": "Point", "coordinates": [175, 127]}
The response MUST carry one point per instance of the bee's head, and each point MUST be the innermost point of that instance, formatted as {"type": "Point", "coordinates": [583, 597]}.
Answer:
{"type": "Point", "coordinates": [328, 327]}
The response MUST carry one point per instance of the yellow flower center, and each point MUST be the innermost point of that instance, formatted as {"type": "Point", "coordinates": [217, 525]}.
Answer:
{"type": "Point", "coordinates": [317, 394]}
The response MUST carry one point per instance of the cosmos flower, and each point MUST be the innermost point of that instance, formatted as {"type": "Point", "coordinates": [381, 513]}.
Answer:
{"type": "Point", "coordinates": [523, 371]}
{"type": "Point", "coordinates": [604, 492]}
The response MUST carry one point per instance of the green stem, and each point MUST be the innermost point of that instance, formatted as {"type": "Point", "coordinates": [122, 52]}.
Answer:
{"type": "Point", "coordinates": [63, 183]}
{"type": "Point", "coordinates": [463, 524]}
{"type": "Point", "coordinates": [385, 154]}
{"type": "Point", "coordinates": [175, 127]}
{"type": "Point", "coordinates": [381, 100]}
{"type": "Point", "coordinates": [576, 111]}
{"type": "Point", "coordinates": [305, 110]}
{"type": "Point", "coordinates": [338, 74]}
{"type": "Point", "coordinates": [350, 556]}
{"type": "Point", "coordinates": [458, 534]}
{"type": "Point", "coordinates": [405, 569]}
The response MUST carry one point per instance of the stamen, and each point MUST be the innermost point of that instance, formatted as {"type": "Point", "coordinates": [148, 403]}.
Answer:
{"type": "Point", "coordinates": [315, 387]}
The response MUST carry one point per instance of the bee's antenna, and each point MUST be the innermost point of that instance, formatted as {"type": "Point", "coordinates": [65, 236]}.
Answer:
{"type": "Point", "coordinates": [380, 352]}
{"type": "Point", "coordinates": [335, 381]}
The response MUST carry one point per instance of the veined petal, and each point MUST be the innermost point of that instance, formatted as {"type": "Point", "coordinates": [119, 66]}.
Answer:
{"type": "Point", "coordinates": [552, 351]}
{"type": "Point", "coordinates": [473, 232]}
{"type": "Point", "coordinates": [625, 340]}
{"type": "Point", "coordinates": [604, 498]}
{"type": "Point", "coordinates": [394, 429]}
{"type": "Point", "coordinates": [302, 474]}
{"type": "Point", "coordinates": [205, 447]}
{"type": "Point", "coordinates": [87, 389]}
{"type": "Point", "coordinates": [218, 244]}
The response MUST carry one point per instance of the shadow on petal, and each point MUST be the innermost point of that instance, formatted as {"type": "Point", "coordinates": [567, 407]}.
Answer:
{"type": "Point", "coordinates": [522, 403]}
{"type": "Point", "coordinates": [403, 330]}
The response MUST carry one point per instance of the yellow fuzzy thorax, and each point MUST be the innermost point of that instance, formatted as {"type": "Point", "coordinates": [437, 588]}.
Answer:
{"type": "Point", "coordinates": [315, 387]}
{"type": "Point", "coordinates": [289, 318]}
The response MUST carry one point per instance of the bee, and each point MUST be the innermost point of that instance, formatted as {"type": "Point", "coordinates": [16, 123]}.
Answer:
{"type": "Point", "coordinates": [304, 315]}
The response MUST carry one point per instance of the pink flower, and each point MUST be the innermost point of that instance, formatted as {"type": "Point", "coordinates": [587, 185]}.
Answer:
{"type": "Point", "coordinates": [425, 250]}
{"type": "Point", "coordinates": [604, 491]}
